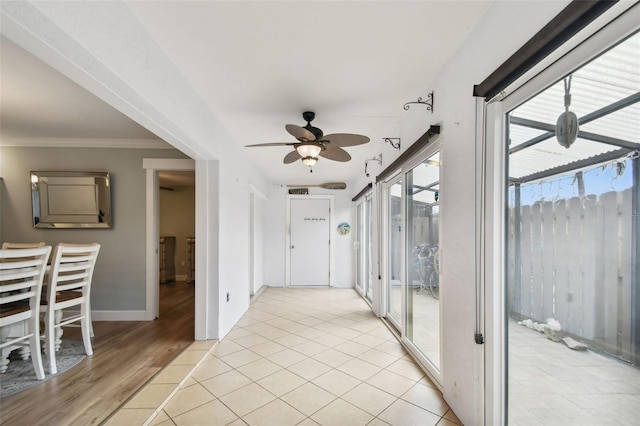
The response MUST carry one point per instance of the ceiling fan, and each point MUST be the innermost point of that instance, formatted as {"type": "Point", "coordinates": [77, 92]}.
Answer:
{"type": "Point", "coordinates": [312, 142]}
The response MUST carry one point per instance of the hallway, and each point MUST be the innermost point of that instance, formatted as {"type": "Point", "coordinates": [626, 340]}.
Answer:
{"type": "Point", "coordinates": [298, 356]}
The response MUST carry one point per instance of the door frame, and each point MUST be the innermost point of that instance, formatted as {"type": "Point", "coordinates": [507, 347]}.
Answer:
{"type": "Point", "coordinates": [290, 197]}
{"type": "Point", "coordinates": [435, 374]}
{"type": "Point", "coordinates": [360, 244]}
{"type": "Point", "coordinates": [384, 264]}
{"type": "Point", "coordinates": [152, 166]}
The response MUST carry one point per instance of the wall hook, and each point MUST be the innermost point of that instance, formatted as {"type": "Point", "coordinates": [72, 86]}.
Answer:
{"type": "Point", "coordinates": [395, 144]}
{"type": "Point", "coordinates": [377, 158]}
{"type": "Point", "coordinates": [427, 102]}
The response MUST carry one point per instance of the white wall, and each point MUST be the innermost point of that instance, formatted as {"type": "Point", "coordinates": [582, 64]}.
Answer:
{"type": "Point", "coordinates": [259, 201]}
{"type": "Point", "coordinates": [275, 231]}
{"type": "Point", "coordinates": [344, 262]}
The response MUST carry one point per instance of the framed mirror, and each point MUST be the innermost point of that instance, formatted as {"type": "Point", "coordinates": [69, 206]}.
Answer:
{"type": "Point", "coordinates": [71, 199]}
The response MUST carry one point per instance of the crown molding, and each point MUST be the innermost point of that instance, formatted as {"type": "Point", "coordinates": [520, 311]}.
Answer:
{"type": "Point", "coordinates": [85, 143]}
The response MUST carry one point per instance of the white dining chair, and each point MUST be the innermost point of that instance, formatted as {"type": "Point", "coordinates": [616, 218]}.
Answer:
{"type": "Point", "coordinates": [8, 245]}
{"type": "Point", "coordinates": [21, 277]}
{"type": "Point", "coordinates": [69, 286]}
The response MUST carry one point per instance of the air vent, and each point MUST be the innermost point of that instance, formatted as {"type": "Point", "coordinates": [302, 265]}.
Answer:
{"type": "Point", "coordinates": [299, 191]}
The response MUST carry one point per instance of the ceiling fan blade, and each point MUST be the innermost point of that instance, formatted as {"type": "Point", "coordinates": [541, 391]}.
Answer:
{"type": "Point", "coordinates": [271, 144]}
{"type": "Point", "coordinates": [291, 157]}
{"type": "Point", "coordinates": [300, 133]}
{"type": "Point", "coordinates": [335, 154]}
{"type": "Point", "coordinates": [345, 139]}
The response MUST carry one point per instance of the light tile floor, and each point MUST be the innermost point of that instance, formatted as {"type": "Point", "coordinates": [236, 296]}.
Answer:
{"type": "Point", "coordinates": [297, 357]}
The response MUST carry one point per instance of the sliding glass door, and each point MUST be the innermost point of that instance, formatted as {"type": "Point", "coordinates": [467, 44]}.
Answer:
{"type": "Point", "coordinates": [412, 274]}
{"type": "Point", "coordinates": [364, 230]}
{"type": "Point", "coordinates": [393, 250]}
{"type": "Point", "coordinates": [368, 252]}
{"type": "Point", "coordinates": [422, 217]}
{"type": "Point", "coordinates": [571, 307]}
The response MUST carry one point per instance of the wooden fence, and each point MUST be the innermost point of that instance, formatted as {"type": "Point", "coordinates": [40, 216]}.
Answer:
{"type": "Point", "coordinates": [573, 263]}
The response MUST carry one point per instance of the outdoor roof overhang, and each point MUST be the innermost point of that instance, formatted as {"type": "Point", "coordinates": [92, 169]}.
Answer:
{"type": "Point", "coordinates": [605, 95]}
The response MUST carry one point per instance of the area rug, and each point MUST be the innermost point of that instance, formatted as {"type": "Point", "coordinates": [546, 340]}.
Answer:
{"type": "Point", "coordinates": [20, 375]}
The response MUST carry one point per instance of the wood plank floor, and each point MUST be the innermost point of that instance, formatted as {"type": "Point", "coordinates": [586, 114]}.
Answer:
{"type": "Point", "coordinates": [126, 355]}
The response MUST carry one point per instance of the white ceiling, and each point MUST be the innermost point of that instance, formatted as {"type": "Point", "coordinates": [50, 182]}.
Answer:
{"type": "Point", "coordinates": [258, 66]}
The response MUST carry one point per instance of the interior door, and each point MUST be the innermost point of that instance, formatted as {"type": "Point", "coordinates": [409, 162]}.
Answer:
{"type": "Point", "coordinates": [309, 250]}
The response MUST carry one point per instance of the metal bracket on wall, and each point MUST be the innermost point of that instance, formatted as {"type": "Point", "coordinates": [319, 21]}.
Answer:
{"type": "Point", "coordinates": [377, 158]}
{"type": "Point", "coordinates": [396, 144]}
{"type": "Point", "coordinates": [427, 102]}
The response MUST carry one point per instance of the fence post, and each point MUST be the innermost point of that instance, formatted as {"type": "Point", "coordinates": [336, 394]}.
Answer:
{"type": "Point", "coordinates": [517, 253]}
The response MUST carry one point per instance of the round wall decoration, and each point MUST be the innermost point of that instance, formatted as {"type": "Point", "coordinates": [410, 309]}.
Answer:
{"type": "Point", "coordinates": [344, 228]}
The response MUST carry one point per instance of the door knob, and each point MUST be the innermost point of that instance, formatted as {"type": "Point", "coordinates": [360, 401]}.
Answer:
{"type": "Point", "coordinates": [293, 247]}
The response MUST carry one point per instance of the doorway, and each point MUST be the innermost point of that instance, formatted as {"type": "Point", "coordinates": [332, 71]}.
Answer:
{"type": "Point", "coordinates": [152, 167]}
{"type": "Point", "coordinates": [176, 209]}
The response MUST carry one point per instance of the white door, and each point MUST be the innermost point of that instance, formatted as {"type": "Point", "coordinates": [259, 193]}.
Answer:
{"type": "Point", "coordinates": [310, 227]}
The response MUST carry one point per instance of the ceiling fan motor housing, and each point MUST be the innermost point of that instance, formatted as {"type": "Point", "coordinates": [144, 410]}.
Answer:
{"type": "Point", "coordinates": [308, 116]}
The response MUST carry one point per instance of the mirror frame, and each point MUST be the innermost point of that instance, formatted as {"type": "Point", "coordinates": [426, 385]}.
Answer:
{"type": "Point", "coordinates": [65, 200]}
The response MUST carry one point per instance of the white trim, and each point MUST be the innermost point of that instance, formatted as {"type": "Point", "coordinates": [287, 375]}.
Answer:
{"type": "Point", "coordinates": [376, 251]}
{"type": "Point", "coordinates": [492, 263]}
{"type": "Point", "coordinates": [359, 244]}
{"type": "Point", "coordinates": [288, 236]}
{"type": "Point", "coordinates": [85, 143]}
{"type": "Point", "coordinates": [384, 261]}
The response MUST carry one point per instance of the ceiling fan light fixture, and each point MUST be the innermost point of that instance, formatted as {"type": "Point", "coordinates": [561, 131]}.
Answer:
{"type": "Point", "coordinates": [308, 150]}
{"type": "Point", "coordinates": [310, 161]}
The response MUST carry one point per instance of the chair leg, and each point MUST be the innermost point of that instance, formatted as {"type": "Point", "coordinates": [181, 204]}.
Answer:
{"type": "Point", "coordinates": [50, 339]}
{"type": "Point", "coordinates": [59, 331]}
{"type": "Point", "coordinates": [4, 359]}
{"type": "Point", "coordinates": [34, 344]}
{"type": "Point", "coordinates": [90, 320]}
{"type": "Point", "coordinates": [85, 323]}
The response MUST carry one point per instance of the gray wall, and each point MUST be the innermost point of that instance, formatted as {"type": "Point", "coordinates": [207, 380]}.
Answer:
{"type": "Point", "coordinates": [119, 277]}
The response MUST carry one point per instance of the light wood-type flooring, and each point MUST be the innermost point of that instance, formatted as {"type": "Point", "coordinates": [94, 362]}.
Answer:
{"type": "Point", "coordinates": [126, 355]}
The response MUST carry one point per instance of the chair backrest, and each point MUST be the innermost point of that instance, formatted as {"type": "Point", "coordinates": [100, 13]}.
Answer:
{"type": "Point", "coordinates": [21, 245]}
{"type": "Point", "coordinates": [21, 275]}
{"type": "Point", "coordinates": [72, 268]}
